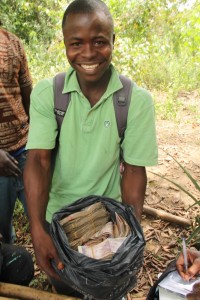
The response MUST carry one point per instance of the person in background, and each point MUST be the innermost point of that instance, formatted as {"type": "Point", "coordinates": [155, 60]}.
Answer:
{"type": "Point", "coordinates": [87, 160]}
{"type": "Point", "coordinates": [15, 89]}
{"type": "Point", "coordinates": [16, 264]}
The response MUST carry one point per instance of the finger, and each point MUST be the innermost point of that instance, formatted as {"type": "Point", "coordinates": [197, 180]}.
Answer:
{"type": "Point", "coordinates": [51, 272]}
{"type": "Point", "coordinates": [180, 260]}
{"type": "Point", "coordinates": [13, 159]}
{"type": "Point", "coordinates": [13, 169]}
{"type": "Point", "coordinates": [193, 271]}
{"type": "Point", "coordinates": [47, 267]}
{"type": "Point", "coordinates": [180, 265]}
{"type": "Point", "coordinates": [180, 268]}
{"type": "Point", "coordinates": [185, 276]}
{"type": "Point", "coordinates": [60, 266]}
{"type": "Point", "coordinates": [11, 172]}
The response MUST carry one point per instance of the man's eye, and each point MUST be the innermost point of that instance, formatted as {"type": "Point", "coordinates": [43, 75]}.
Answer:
{"type": "Point", "coordinates": [99, 43]}
{"type": "Point", "coordinates": [76, 44]}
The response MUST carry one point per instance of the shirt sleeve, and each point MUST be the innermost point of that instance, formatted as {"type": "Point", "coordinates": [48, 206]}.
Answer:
{"type": "Point", "coordinates": [43, 125]}
{"type": "Point", "coordinates": [140, 143]}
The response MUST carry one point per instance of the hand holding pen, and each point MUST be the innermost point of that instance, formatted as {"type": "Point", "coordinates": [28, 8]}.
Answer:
{"type": "Point", "coordinates": [188, 264]}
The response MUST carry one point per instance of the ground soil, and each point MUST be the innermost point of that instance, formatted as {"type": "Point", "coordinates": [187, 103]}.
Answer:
{"type": "Point", "coordinates": [179, 140]}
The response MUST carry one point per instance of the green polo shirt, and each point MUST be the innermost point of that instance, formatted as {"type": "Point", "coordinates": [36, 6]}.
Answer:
{"type": "Point", "coordinates": [87, 161]}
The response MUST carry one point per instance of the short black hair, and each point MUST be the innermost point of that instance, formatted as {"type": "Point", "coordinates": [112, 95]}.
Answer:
{"type": "Point", "coordinates": [87, 7]}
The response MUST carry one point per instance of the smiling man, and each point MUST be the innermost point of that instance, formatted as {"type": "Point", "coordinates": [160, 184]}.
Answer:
{"type": "Point", "coordinates": [87, 160]}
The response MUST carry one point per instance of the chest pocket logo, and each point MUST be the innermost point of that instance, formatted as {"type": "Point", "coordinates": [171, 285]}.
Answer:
{"type": "Point", "coordinates": [106, 124]}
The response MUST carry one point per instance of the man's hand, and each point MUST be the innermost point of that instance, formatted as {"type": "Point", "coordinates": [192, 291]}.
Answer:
{"type": "Point", "coordinates": [193, 257]}
{"type": "Point", "coordinates": [8, 165]}
{"type": "Point", "coordinates": [45, 252]}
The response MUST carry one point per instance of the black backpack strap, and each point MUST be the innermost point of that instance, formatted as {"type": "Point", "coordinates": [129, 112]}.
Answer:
{"type": "Point", "coordinates": [121, 101]}
{"type": "Point", "coordinates": [61, 101]}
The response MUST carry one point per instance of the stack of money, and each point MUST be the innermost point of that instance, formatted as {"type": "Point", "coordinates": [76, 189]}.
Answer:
{"type": "Point", "coordinates": [105, 243]}
{"type": "Point", "coordinates": [92, 233]}
{"type": "Point", "coordinates": [120, 228]}
{"type": "Point", "coordinates": [80, 226]}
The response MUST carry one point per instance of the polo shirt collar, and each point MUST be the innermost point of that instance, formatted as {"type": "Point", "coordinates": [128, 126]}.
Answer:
{"type": "Point", "coordinates": [71, 82]}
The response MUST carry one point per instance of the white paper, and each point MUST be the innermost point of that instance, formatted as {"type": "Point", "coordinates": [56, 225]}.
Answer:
{"type": "Point", "coordinates": [173, 282]}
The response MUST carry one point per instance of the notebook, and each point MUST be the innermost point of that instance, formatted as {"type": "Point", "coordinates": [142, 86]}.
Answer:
{"type": "Point", "coordinates": [173, 287]}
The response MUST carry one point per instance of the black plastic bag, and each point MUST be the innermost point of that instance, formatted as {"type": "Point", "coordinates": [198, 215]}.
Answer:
{"type": "Point", "coordinates": [100, 279]}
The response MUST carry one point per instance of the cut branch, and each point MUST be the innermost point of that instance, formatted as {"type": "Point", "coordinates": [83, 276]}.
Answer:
{"type": "Point", "coordinates": [166, 216]}
{"type": "Point", "coordinates": [27, 293]}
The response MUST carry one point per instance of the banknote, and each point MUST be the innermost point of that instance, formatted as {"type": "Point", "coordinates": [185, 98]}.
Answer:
{"type": "Point", "coordinates": [104, 250]}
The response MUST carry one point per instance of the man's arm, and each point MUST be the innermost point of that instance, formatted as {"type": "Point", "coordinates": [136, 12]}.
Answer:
{"type": "Point", "coordinates": [25, 92]}
{"type": "Point", "coordinates": [37, 180]}
{"type": "Point", "coordinates": [133, 186]}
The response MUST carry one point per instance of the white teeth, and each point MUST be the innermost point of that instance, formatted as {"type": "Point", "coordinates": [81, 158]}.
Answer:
{"type": "Point", "coordinates": [89, 67]}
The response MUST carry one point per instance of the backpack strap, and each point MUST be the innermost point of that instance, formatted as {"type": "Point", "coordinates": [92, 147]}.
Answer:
{"type": "Point", "coordinates": [121, 102]}
{"type": "Point", "coordinates": [61, 101]}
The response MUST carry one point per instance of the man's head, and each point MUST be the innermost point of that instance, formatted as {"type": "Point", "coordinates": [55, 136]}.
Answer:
{"type": "Point", "coordinates": [88, 35]}
{"type": "Point", "coordinates": [87, 7]}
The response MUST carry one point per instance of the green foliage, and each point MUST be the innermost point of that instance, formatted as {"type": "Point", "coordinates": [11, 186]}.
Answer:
{"type": "Point", "coordinates": [46, 62]}
{"type": "Point", "coordinates": [32, 21]}
{"type": "Point", "coordinates": [157, 42]}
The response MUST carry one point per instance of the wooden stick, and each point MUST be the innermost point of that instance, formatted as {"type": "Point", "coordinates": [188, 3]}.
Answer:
{"type": "Point", "coordinates": [4, 298]}
{"type": "Point", "coordinates": [166, 216]}
{"type": "Point", "coordinates": [27, 293]}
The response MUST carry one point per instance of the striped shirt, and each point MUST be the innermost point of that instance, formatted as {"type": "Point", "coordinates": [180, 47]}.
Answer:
{"type": "Point", "coordinates": [14, 75]}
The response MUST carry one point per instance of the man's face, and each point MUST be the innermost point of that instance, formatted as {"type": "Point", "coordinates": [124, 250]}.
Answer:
{"type": "Point", "coordinates": [89, 44]}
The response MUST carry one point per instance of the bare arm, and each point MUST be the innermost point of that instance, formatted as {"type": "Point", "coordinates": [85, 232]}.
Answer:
{"type": "Point", "coordinates": [37, 180]}
{"type": "Point", "coordinates": [134, 181]}
{"type": "Point", "coordinates": [25, 92]}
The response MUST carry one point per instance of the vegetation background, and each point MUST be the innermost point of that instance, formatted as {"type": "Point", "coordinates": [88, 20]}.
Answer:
{"type": "Point", "coordinates": [157, 43]}
{"type": "Point", "coordinates": [158, 46]}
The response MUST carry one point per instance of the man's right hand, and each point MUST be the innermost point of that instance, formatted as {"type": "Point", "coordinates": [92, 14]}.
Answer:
{"type": "Point", "coordinates": [45, 252]}
{"type": "Point", "coordinates": [8, 165]}
{"type": "Point", "coordinates": [193, 257]}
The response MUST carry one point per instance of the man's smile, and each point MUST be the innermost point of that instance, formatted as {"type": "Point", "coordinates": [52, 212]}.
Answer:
{"type": "Point", "coordinates": [89, 67]}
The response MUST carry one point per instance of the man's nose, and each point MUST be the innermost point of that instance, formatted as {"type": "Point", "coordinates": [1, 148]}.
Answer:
{"type": "Point", "coordinates": [89, 51]}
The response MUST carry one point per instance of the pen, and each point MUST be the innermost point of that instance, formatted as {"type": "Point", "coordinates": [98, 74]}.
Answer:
{"type": "Point", "coordinates": [185, 254]}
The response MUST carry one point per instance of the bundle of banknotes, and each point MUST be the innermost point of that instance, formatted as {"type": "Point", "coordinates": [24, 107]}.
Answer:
{"type": "Point", "coordinates": [92, 233]}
